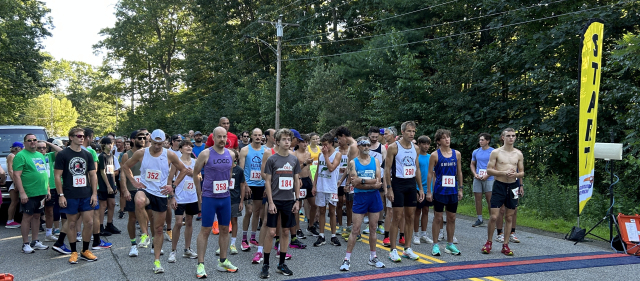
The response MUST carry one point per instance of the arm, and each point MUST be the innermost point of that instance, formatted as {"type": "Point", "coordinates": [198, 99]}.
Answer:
{"type": "Point", "coordinates": [175, 162]}
{"type": "Point", "coordinates": [391, 152]}
{"type": "Point", "coordinates": [432, 174]}
{"type": "Point", "coordinates": [3, 176]}
{"type": "Point", "coordinates": [460, 188]}
{"type": "Point", "coordinates": [315, 182]}
{"type": "Point", "coordinates": [336, 161]}
{"type": "Point", "coordinates": [520, 174]}
{"type": "Point", "coordinates": [265, 157]}
{"type": "Point", "coordinates": [57, 174]}
{"type": "Point", "coordinates": [10, 165]}
{"type": "Point", "coordinates": [103, 175]}
{"type": "Point", "coordinates": [473, 169]}
{"type": "Point", "coordinates": [201, 160]}
{"type": "Point", "coordinates": [243, 155]}
{"type": "Point", "coordinates": [17, 181]}
{"type": "Point", "coordinates": [419, 178]}
{"type": "Point", "coordinates": [94, 187]}
{"type": "Point", "coordinates": [296, 188]}
{"type": "Point", "coordinates": [267, 190]}
{"type": "Point", "coordinates": [492, 164]}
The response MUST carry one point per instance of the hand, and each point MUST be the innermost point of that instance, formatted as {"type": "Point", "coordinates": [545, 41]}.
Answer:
{"type": "Point", "coordinates": [126, 195]}
{"type": "Point", "coordinates": [313, 191]}
{"type": "Point", "coordinates": [324, 149]}
{"type": "Point", "coordinates": [309, 161]}
{"type": "Point", "coordinates": [248, 193]}
{"type": "Point", "coordinates": [23, 198]}
{"type": "Point", "coordinates": [429, 196]}
{"type": "Point", "coordinates": [459, 195]}
{"type": "Point", "coordinates": [390, 195]}
{"type": "Point", "coordinates": [62, 202]}
{"type": "Point", "coordinates": [272, 209]}
{"type": "Point", "coordinates": [138, 185]}
{"type": "Point", "coordinates": [521, 191]}
{"type": "Point", "coordinates": [420, 196]}
{"type": "Point", "coordinates": [484, 177]}
{"type": "Point", "coordinates": [189, 172]}
{"type": "Point", "coordinates": [48, 195]}
{"type": "Point", "coordinates": [296, 207]}
{"type": "Point", "coordinates": [477, 176]}
{"type": "Point", "coordinates": [173, 203]}
{"type": "Point", "coordinates": [511, 173]}
{"type": "Point", "coordinates": [109, 190]}
{"type": "Point", "coordinates": [241, 206]}
{"type": "Point", "coordinates": [94, 200]}
{"type": "Point", "coordinates": [166, 190]}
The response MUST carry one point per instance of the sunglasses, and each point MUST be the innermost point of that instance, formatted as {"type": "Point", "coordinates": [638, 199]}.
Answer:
{"type": "Point", "coordinates": [32, 140]}
{"type": "Point", "coordinates": [142, 138]}
{"type": "Point", "coordinates": [80, 136]}
{"type": "Point", "coordinates": [366, 145]}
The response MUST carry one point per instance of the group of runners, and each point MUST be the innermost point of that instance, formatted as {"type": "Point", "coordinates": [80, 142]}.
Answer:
{"type": "Point", "coordinates": [271, 178]}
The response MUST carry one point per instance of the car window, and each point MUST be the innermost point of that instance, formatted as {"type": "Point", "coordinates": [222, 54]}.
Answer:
{"type": "Point", "coordinates": [9, 136]}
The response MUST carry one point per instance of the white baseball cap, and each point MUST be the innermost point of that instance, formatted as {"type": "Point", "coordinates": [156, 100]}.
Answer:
{"type": "Point", "coordinates": [158, 135]}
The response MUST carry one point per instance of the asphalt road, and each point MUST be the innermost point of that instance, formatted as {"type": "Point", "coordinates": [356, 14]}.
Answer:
{"type": "Point", "coordinates": [115, 264]}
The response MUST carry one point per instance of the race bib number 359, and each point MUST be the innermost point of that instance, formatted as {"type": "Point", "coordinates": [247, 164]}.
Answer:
{"type": "Point", "coordinates": [286, 183]}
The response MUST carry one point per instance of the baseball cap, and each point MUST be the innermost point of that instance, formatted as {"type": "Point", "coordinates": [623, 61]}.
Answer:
{"type": "Point", "coordinates": [134, 134]}
{"type": "Point", "coordinates": [158, 135]}
{"type": "Point", "coordinates": [197, 133]}
{"type": "Point", "coordinates": [176, 137]}
{"type": "Point", "coordinates": [17, 144]}
{"type": "Point", "coordinates": [296, 134]}
{"type": "Point", "coordinates": [57, 142]}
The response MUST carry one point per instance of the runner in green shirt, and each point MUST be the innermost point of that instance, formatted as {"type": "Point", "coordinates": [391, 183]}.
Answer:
{"type": "Point", "coordinates": [31, 181]}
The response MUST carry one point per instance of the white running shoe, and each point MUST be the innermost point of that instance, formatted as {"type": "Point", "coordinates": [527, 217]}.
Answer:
{"type": "Point", "coordinates": [416, 240]}
{"type": "Point", "coordinates": [376, 262]}
{"type": "Point", "coordinates": [408, 253]}
{"type": "Point", "coordinates": [455, 240]}
{"type": "Point", "coordinates": [500, 238]}
{"type": "Point", "coordinates": [189, 254]}
{"type": "Point", "coordinates": [393, 256]}
{"type": "Point", "coordinates": [513, 238]}
{"type": "Point", "coordinates": [39, 246]}
{"type": "Point", "coordinates": [26, 248]}
{"type": "Point", "coordinates": [366, 219]}
{"type": "Point", "coordinates": [134, 251]}
{"type": "Point", "coordinates": [51, 238]}
{"type": "Point", "coordinates": [426, 239]}
{"type": "Point", "coordinates": [79, 237]}
{"type": "Point", "coordinates": [172, 257]}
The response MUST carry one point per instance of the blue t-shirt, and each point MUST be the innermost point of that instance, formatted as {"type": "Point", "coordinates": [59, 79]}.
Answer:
{"type": "Point", "coordinates": [481, 157]}
{"type": "Point", "coordinates": [197, 149]}
{"type": "Point", "coordinates": [423, 160]}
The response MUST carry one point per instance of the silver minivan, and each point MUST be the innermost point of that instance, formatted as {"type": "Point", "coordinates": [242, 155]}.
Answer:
{"type": "Point", "coordinates": [8, 135]}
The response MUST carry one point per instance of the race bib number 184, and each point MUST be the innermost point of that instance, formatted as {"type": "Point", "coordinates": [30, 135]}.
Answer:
{"type": "Point", "coordinates": [286, 183]}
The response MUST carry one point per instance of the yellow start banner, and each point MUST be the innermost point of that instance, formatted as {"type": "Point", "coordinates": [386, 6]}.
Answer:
{"type": "Point", "coordinates": [590, 70]}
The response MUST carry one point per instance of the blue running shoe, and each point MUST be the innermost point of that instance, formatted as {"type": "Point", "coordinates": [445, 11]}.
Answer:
{"type": "Point", "coordinates": [62, 249]}
{"type": "Point", "coordinates": [102, 245]}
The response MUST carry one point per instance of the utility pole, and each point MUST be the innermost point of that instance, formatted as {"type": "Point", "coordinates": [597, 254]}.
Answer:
{"type": "Point", "coordinates": [279, 32]}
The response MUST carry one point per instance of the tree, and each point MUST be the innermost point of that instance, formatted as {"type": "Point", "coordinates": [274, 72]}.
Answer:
{"type": "Point", "coordinates": [56, 114]}
{"type": "Point", "coordinates": [23, 24]}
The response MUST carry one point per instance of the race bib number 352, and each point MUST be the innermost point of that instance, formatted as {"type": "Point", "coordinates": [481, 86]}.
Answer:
{"type": "Point", "coordinates": [152, 176]}
{"type": "Point", "coordinates": [448, 181]}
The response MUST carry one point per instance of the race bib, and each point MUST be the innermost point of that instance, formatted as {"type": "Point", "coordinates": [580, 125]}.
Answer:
{"type": "Point", "coordinates": [334, 197]}
{"type": "Point", "coordinates": [220, 187]}
{"type": "Point", "coordinates": [42, 203]}
{"type": "Point", "coordinates": [232, 183]}
{"type": "Point", "coordinates": [448, 181]}
{"type": "Point", "coordinates": [255, 175]}
{"type": "Point", "coordinates": [109, 169]}
{"type": "Point", "coordinates": [482, 172]}
{"type": "Point", "coordinates": [136, 178]}
{"type": "Point", "coordinates": [286, 183]}
{"type": "Point", "coordinates": [409, 171]}
{"type": "Point", "coordinates": [152, 176]}
{"type": "Point", "coordinates": [189, 186]}
{"type": "Point", "coordinates": [79, 181]}
{"type": "Point", "coordinates": [515, 192]}
{"type": "Point", "coordinates": [303, 193]}
{"type": "Point", "coordinates": [315, 163]}
{"type": "Point", "coordinates": [351, 189]}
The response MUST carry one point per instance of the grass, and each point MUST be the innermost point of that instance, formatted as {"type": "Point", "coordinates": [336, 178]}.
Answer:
{"type": "Point", "coordinates": [529, 219]}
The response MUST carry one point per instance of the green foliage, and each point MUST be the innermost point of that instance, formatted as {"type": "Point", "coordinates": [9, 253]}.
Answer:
{"type": "Point", "coordinates": [56, 114]}
{"type": "Point", "coordinates": [23, 24]}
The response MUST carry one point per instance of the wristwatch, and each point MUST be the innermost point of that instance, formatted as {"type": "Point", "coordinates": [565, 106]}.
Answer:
{"type": "Point", "coordinates": [362, 181]}
{"type": "Point", "coordinates": [61, 194]}
{"type": "Point", "coordinates": [169, 196]}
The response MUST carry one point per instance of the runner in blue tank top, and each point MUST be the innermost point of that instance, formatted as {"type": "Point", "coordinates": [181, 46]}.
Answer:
{"type": "Point", "coordinates": [251, 161]}
{"type": "Point", "coordinates": [446, 173]}
{"type": "Point", "coordinates": [422, 210]}
{"type": "Point", "coordinates": [364, 172]}
{"type": "Point", "coordinates": [404, 169]}
{"type": "Point", "coordinates": [215, 199]}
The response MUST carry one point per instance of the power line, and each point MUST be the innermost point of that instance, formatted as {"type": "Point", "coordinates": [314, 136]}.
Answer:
{"type": "Point", "coordinates": [450, 36]}
{"type": "Point", "coordinates": [424, 27]}
{"type": "Point", "coordinates": [375, 21]}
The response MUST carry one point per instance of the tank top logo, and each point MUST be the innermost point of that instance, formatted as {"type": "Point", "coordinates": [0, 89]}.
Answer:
{"type": "Point", "coordinates": [256, 159]}
{"type": "Point", "coordinates": [221, 161]}
{"type": "Point", "coordinates": [408, 161]}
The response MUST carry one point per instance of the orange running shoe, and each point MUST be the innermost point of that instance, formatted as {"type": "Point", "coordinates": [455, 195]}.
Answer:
{"type": "Point", "coordinates": [215, 229]}
{"type": "Point", "coordinates": [401, 242]}
{"type": "Point", "coordinates": [230, 227]}
{"type": "Point", "coordinates": [386, 242]}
